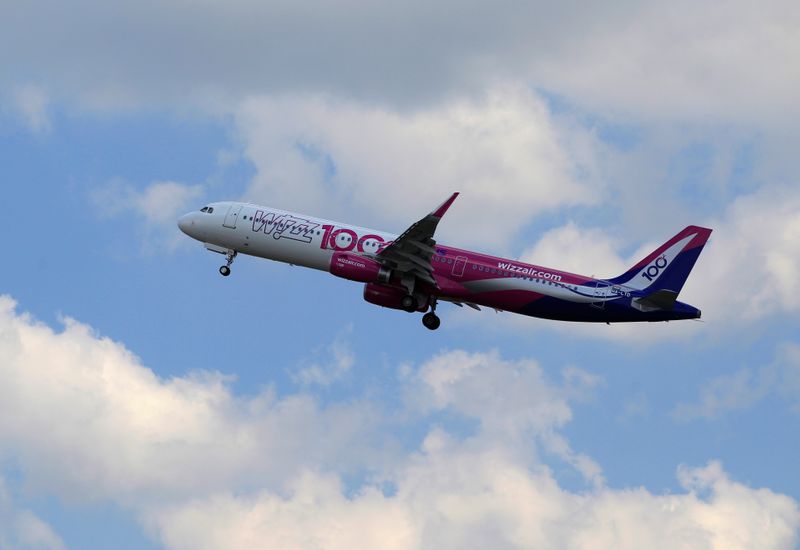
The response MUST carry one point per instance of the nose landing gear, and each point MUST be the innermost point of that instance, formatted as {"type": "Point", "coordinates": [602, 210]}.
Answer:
{"type": "Point", "coordinates": [225, 270]}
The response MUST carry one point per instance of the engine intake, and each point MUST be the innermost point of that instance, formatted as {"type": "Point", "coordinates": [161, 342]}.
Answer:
{"type": "Point", "coordinates": [358, 268]}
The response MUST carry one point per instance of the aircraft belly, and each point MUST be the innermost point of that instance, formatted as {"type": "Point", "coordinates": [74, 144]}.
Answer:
{"type": "Point", "coordinates": [244, 241]}
{"type": "Point", "coordinates": [614, 311]}
{"type": "Point", "coordinates": [292, 252]}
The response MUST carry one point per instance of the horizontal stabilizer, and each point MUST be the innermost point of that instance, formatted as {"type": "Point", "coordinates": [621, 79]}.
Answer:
{"type": "Point", "coordinates": [659, 299]}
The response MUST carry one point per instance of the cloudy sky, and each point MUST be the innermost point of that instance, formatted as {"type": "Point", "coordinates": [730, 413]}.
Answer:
{"type": "Point", "coordinates": [146, 402]}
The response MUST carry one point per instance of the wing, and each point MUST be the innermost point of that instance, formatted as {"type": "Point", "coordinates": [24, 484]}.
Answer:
{"type": "Point", "coordinates": [409, 255]}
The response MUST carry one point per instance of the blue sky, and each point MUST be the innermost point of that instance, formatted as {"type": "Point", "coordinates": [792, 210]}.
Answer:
{"type": "Point", "coordinates": [150, 403]}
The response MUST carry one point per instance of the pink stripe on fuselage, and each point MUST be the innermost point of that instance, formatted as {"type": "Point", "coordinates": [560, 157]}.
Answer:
{"type": "Point", "coordinates": [444, 265]}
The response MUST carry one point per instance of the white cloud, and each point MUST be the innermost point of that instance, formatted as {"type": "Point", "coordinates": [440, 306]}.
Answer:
{"type": "Point", "coordinates": [585, 251]}
{"type": "Point", "coordinates": [21, 528]}
{"type": "Point", "coordinates": [160, 203]}
{"type": "Point", "coordinates": [746, 387]}
{"type": "Point", "coordinates": [739, 390]}
{"type": "Point", "coordinates": [88, 421]}
{"type": "Point", "coordinates": [502, 150]}
{"type": "Point", "coordinates": [751, 268]}
{"type": "Point", "coordinates": [450, 497]}
{"type": "Point", "coordinates": [483, 491]}
{"type": "Point", "coordinates": [206, 469]}
{"type": "Point", "coordinates": [339, 360]}
{"type": "Point", "coordinates": [683, 59]}
{"type": "Point", "coordinates": [509, 397]}
{"type": "Point", "coordinates": [32, 103]}
{"type": "Point", "coordinates": [513, 401]}
{"type": "Point", "coordinates": [316, 514]}
{"type": "Point", "coordinates": [158, 206]}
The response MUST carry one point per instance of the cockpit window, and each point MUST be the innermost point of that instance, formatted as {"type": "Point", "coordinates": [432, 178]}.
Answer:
{"type": "Point", "coordinates": [210, 209]}
{"type": "Point", "coordinates": [204, 209]}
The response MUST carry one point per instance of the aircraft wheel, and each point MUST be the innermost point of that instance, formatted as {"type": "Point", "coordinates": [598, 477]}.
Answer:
{"type": "Point", "coordinates": [409, 303]}
{"type": "Point", "coordinates": [224, 270]}
{"type": "Point", "coordinates": [431, 321]}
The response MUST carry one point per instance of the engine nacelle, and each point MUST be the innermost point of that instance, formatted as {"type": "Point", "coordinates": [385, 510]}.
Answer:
{"type": "Point", "coordinates": [358, 268]}
{"type": "Point", "coordinates": [391, 297]}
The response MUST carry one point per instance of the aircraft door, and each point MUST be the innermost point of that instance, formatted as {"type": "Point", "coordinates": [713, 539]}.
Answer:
{"type": "Point", "coordinates": [600, 291]}
{"type": "Point", "coordinates": [232, 216]}
{"type": "Point", "coordinates": [459, 265]}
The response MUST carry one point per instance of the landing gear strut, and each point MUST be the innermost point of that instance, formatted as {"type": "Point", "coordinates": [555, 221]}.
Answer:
{"type": "Point", "coordinates": [430, 320]}
{"type": "Point", "coordinates": [409, 302]}
{"type": "Point", "coordinates": [225, 270]}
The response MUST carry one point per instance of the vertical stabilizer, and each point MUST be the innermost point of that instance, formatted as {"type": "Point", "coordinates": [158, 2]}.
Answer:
{"type": "Point", "coordinates": [667, 267]}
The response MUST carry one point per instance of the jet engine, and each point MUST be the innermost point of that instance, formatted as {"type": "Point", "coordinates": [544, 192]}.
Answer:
{"type": "Point", "coordinates": [358, 268]}
{"type": "Point", "coordinates": [391, 297]}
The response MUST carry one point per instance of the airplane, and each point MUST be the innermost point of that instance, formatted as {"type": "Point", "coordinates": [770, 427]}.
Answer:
{"type": "Point", "coordinates": [412, 272]}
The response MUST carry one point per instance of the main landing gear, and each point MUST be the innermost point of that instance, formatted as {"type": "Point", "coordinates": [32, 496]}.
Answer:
{"type": "Point", "coordinates": [410, 304]}
{"type": "Point", "coordinates": [431, 321]}
{"type": "Point", "coordinates": [225, 270]}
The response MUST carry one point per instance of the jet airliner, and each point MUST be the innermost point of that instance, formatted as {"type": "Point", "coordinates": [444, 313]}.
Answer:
{"type": "Point", "coordinates": [412, 272]}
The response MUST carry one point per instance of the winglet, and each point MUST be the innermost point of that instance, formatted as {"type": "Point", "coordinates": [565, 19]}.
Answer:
{"type": "Point", "coordinates": [439, 212]}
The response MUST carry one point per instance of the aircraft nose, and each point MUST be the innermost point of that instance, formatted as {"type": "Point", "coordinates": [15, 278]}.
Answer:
{"type": "Point", "coordinates": [185, 224]}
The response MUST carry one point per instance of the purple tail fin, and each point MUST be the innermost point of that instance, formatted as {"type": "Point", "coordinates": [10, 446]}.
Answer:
{"type": "Point", "coordinates": [667, 267]}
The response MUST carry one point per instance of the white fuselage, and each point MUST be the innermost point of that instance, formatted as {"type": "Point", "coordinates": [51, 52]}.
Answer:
{"type": "Point", "coordinates": [279, 235]}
